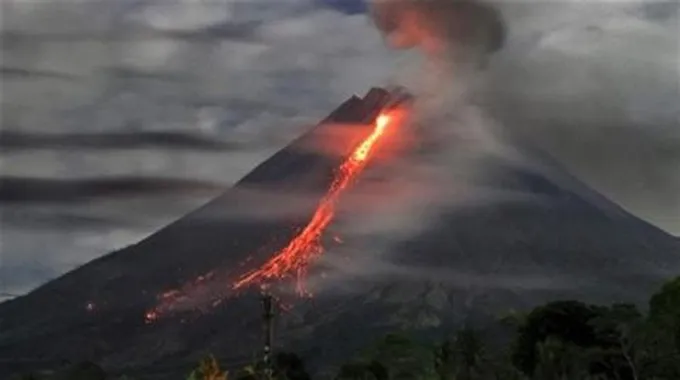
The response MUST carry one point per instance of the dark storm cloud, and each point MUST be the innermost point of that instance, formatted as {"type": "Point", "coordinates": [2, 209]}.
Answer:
{"type": "Point", "coordinates": [31, 190]}
{"type": "Point", "coordinates": [23, 73]}
{"type": "Point", "coordinates": [12, 140]}
{"type": "Point", "coordinates": [58, 220]}
{"type": "Point", "coordinates": [129, 73]}
{"type": "Point", "coordinates": [223, 31]}
{"type": "Point", "coordinates": [235, 32]}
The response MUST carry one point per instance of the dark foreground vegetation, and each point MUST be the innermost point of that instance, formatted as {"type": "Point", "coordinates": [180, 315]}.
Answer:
{"type": "Point", "coordinates": [561, 340]}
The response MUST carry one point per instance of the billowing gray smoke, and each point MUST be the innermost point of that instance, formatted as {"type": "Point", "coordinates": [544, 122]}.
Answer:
{"type": "Point", "coordinates": [560, 77]}
{"type": "Point", "coordinates": [463, 28]}
{"type": "Point", "coordinates": [595, 84]}
{"type": "Point", "coordinates": [454, 139]}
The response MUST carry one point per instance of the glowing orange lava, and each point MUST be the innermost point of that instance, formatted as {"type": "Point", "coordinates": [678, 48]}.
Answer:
{"type": "Point", "coordinates": [294, 259]}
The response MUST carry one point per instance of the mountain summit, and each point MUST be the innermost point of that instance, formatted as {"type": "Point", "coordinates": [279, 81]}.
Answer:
{"type": "Point", "coordinates": [484, 259]}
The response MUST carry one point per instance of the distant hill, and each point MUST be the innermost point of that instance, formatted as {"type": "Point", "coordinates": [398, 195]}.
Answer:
{"type": "Point", "coordinates": [569, 243]}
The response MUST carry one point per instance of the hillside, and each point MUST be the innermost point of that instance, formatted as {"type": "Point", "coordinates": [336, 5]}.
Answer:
{"type": "Point", "coordinates": [571, 243]}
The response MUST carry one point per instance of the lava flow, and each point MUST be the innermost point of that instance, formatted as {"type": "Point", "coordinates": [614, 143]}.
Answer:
{"type": "Point", "coordinates": [294, 259]}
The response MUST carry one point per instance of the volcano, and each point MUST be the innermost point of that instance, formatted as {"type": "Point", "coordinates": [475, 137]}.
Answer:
{"type": "Point", "coordinates": [491, 257]}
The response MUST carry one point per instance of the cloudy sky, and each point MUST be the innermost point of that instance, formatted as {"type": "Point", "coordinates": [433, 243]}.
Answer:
{"type": "Point", "coordinates": [120, 116]}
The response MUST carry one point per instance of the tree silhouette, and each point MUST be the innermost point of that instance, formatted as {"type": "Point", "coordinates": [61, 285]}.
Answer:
{"type": "Point", "coordinates": [403, 358]}
{"type": "Point", "coordinates": [664, 309]}
{"type": "Point", "coordinates": [662, 333]}
{"type": "Point", "coordinates": [363, 371]}
{"type": "Point", "coordinates": [568, 321]}
{"type": "Point", "coordinates": [461, 358]}
{"type": "Point", "coordinates": [85, 370]}
{"type": "Point", "coordinates": [619, 326]}
{"type": "Point", "coordinates": [289, 366]}
{"type": "Point", "coordinates": [559, 360]}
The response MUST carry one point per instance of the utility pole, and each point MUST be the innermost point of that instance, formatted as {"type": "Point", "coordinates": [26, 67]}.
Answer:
{"type": "Point", "coordinates": [268, 317]}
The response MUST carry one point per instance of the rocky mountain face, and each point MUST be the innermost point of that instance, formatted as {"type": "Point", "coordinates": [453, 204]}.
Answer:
{"type": "Point", "coordinates": [484, 259]}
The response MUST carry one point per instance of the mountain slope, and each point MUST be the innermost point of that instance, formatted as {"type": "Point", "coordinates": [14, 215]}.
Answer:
{"type": "Point", "coordinates": [471, 264]}
{"type": "Point", "coordinates": [123, 284]}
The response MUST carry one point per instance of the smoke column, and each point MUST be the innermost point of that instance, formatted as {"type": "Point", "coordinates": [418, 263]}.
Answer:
{"type": "Point", "coordinates": [451, 138]}
{"type": "Point", "coordinates": [562, 77]}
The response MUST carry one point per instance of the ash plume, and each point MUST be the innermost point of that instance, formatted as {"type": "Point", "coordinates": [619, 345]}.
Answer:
{"type": "Point", "coordinates": [472, 111]}
{"type": "Point", "coordinates": [450, 139]}
{"type": "Point", "coordinates": [441, 27]}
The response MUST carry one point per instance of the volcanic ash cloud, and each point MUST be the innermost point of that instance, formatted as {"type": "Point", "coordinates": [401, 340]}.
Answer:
{"type": "Point", "coordinates": [452, 137]}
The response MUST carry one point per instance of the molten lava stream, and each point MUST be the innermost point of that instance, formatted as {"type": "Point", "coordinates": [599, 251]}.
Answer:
{"type": "Point", "coordinates": [295, 258]}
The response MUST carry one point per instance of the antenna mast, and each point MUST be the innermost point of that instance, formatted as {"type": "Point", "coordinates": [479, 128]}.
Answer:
{"type": "Point", "coordinates": [268, 316]}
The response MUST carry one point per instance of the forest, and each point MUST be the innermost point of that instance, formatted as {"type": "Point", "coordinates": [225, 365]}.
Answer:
{"type": "Point", "coordinates": [560, 340]}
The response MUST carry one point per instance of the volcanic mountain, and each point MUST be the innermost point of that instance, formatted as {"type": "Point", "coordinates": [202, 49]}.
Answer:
{"type": "Point", "coordinates": [488, 257]}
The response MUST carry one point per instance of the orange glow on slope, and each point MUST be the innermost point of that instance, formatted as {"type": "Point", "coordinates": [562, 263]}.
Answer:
{"type": "Point", "coordinates": [295, 258]}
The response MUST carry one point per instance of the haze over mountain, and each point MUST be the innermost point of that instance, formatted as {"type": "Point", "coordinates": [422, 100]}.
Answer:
{"type": "Point", "coordinates": [221, 85]}
{"type": "Point", "coordinates": [558, 239]}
